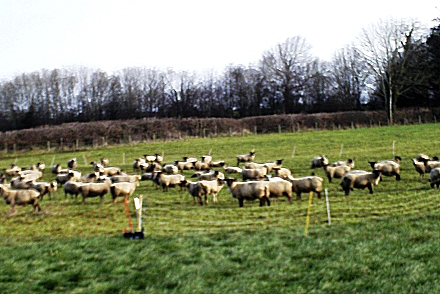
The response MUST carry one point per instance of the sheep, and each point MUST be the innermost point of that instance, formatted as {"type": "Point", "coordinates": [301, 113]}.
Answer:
{"type": "Point", "coordinates": [216, 163]}
{"type": "Point", "coordinates": [253, 165]}
{"type": "Point", "coordinates": [95, 189]}
{"type": "Point", "coordinates": [72, 163]}
{"type": "Point", "coordinates": [249, 191]}
{"type": "Point", "coordinates": [20, 197]}
{"type": "Point", "coordinates": [306, 185]}
{"type": "Point", "coordinates": [44, 188]}
{"type": "Point", "coordinates": [140, 164]}
{"type": "Point", "coordinates": [30, 174]}
{"type": "Point", "coordinates": [208, 176]}
{"type": "Point", "coordinates": [200, 165]}
{"type": "Point", "coordinates": [39, 166]}
{"type": "Point", "coordinates": [431, 164]}
{"type": "Point", "coordinates": [123, 189]}
{"type": "Point", "coordinates": [388, 167]}
{"type": "Point", "coordinates": [12, 171]}
{"type": "Point", "coordinates": [152, 167]}
{"type": "Point", "coordinates": [360, 180]}
{"type": "Point", "coordinates": [349, 162]}
{"type": "Point", "coordinates": [184, 165]}
{"type": "Point", "coordinates": [189, 159]}
{"type": "Point", "coordinates": [246, 157]}
{"type": "Point", "coordinates": [107, 171]}
{"type": "Point", "coordinates": [2, 178]}
{"type": "Point", "coordinates": [232, 169]}
{"type": "Point", "coordinates": [170, 169]}
{"type": "Point", "coordinates": [72, 188]}
{"type": "Point", "coordinates": [336, 172]}
{"type": "Point", "coordinates": [319, 161]}
{"type": "Point", "coordinates": [71, 175]}
{"type": "Point", "coordinates": [149, 158]}
{"type": "Point", "coordinates": [56, 169]}
{"type": "Point", "coordinates": [253, 173]}
{"type": "Point", "coordinates": [211, 187]}
{"type": "Point", "coordinates": [420, 167]}
{"type": "Point", "coordinates": [282, 172]}
{"type": "Point", "coordinates": [125, 178]}
{"type": "Point", "coordinates": [279, 187]}
{"type": "Point", "coordinates": [20, 183]}
{"type": "Point", "coordinates": [434, 177]}
{"type": "Point", "coordinates": [271, 165]}
{"type": "Point", "coordinates": [193, 189]}
{"type": "Point", "coordinates": [104, 161]}
{"type": "Point", "coordinates": [166, 181]}
{"type": "Point", "coordinates": [206, 158]}
{"type": "Point", "coordinates": [89, 178]}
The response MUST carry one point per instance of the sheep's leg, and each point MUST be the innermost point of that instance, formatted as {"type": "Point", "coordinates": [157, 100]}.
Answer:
{"type": "Point", "coordinates": [268, 201]}
{"type": "Point", "coordinates": [298, 196]}
{"type": "Point", "coordinates": [290, 199]}
{"type": "Point", "coordinates": [36, 207]}
{"type": "Point", "coordinates": [262, 201]}
{"type": "Point", "coordinates": [370, 188]}
{"type": "Point", "coordinates": [241, 202]}
{"type": "Point", "coordinates": [397, 177]}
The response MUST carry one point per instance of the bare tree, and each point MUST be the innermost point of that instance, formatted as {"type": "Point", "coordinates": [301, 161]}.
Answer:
{"type": "Point", "coordinates": [286, 65]}
{"type": "Point", "coordinates": [379, 45]}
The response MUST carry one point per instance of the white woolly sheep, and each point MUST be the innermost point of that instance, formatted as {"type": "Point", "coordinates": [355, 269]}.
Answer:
{"type": "Point", "coordinates": [282, 172]}
{"type": "Point", "coordinates": [336, 172]}
{"type": "Point", "coordinates": [231, 169]}
{"type": "Point", "coordinates": [170, 169]}
{"type": "Point", "coordinates": [434, 177]}
{"type": "Point", "coordinates": [44, 188]}
{"type": "Point", "coordinates": [388, 168]}
{"type": "Point", "coordinates": [125, 178]}
{"type": "Point", "coordinates": [249, 191]}
{"type": "Point", "coordinates": [166, 181]}
{"type": "Point", "coordinates": [20, 197]}
{"type": "Point", "coordinates": [193, 189]}
{"type": "Point", "coordinates": [216, 163]}
{"type": "Point", "coordinates": [253, 173]}
{"type": "Point", "coordinates": [419, 167]}
{"type": "Point", "coordinates": [211, 187]}
{"type": "Point", "coordinates": [72, 163]}
{"type": "Point", "coordinates": [123, 189]}
{"type": "Point", "coordinates": [360, 180]}
{"type": "Point", "coordinates": [246, 157]}
{"type": "Point", "coordinates": [200, 165]}
{"type": "Point", "coordinates": [306, 185]}
{"type": "Point", "coordinates": [271, 165]}
{"type": "Point", "coordinates": [206, 158]}
{"type": "Point", "coordinates": [349, 162]}
{"type": "Point", "coordinates": [12, 171]}
{"type": "Point", "coordinates": [56, 169]}
{"type": "Point", "coordinates": [319, 161]}
{"type": "Point", "coordinates": [211, 175]}
{"type": "Point", "coordinates": [95, 189]}
{"type": "Point", "coordinates": [279, 187]}
{"type": "Point", "coordinates": [184, 165]}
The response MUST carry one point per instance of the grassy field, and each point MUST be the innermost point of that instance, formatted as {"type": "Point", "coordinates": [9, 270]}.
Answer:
{"type": "Point", "coordinates": [385, 242]}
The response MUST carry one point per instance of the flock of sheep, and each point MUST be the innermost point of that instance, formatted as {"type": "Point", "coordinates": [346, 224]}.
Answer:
{"type": "Point", "coordinates": [259, 181]}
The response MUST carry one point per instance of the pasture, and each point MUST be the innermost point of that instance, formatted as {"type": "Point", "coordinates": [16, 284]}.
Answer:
{"type": "Point", "coordinates": [381, 242]}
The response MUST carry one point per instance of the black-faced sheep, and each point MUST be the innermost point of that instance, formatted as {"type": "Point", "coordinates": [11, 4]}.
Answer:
{"type": "Point", "coordinates": [125, 178]}
{"type": "Point", "coordinates": [123, 189]}
{"type": "Point", "coordinates": [249, 191]}
{"type": "Point", "coordinates": [44, 188]}
{"type": "Point", "coordinates": [184, 165]}
{"type": "Point", "coordinates": [12, 171]}
{"type": "Point", "coordinates": [282, 172]}
{"type": "Point", "coordinates": [360, 180]}
{"type": "Point", "coordinates": [20, 198]}
{"type": "Point", "coordinates": [170, 169]}
{"type": "Point", "coordinates": [306, 185]}
{"type": "Point", "coordinates": [56, 169]}
{"type": "Point", "coordinates": [388, 168]}
{"type": "Point", "coordinates": [211, 187]}
{"type": "Point", "coordinates": [72, 188]}
{"type": "Point", "coordinates": [72, 163]}
{"type": "Point", "coordinates": [193, 189]}
{"type": "Point", "coordinates": [349, 162]}
{"type": "Point", "coordinates": [319, 161]}
{"type": "Point", "coordinates": [246, 157]}
{"type": "Point", "coordinates": [231, 169]}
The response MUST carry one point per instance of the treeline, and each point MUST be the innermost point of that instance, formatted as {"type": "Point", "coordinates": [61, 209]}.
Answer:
{"type": "Point", "coordinates": [394, 64]}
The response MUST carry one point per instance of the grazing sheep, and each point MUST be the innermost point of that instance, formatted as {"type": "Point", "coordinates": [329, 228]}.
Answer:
{"type": "Point", "coordinates": [189, 159]}
{"type": "Point", "coordinates": [434, 177]}
{"type": "Point", "coordinates": [125, 178]}
{"type": "Point", "coordinates": [20, 197]}
{"type": "Point", "coordinates": [271, 165]}
{"type": "Point", "coordinates": [279, 187]}
{"type": "Point", "coordinates": [31, 174]}
{"type": "Point", "coordinates": [104, 161]}
{"type": "Point", "coordinates": [306, 185]}
{"type": "Point", "coordinates": [216, 163]}
{"type": "Point", "coordinates": [154, 166]}
{"type": "Point", "coordinates": [44, 188]}
{"type": "Point", "coordinates": [12, 171]}
{"type": "Point", "coordinates": [360, 180]}
{"type": "Point", "coordinates": [388, 168]}
{"type": "Point", "coordinates": [319, 161]}
{"type": "Point", "coordinates": [420, 167]}
{"type": "Point", "coordinates": [140, 164]}
{"type": "Point", "coordinates": [253, 173]}
{"type": "Point", "coordinates": [149, 158]}
{"type": "Point", "coordinates": [72, 163]}
{"type": "Point", "coordinates": [336, 172]}
{"type": "Point", "coordinates": [184, 165]}
{"type": "Point", "coordinates": [282, 172]}
{"type": "Point", "coordinates": [72, 188]}
{"type": "Point", "coordinates": [253, 165]}
{"type": "Point", "coordinates": [95, 189]}
{"type": "Point", "coordinates": [200, 165]}
{"type": "Point", "coordinates": [166, 181]}
{"type": "Point", "coordinates": [211, 175]}
{"type": "Point", "coordinates": [246, 157]}
{"type": "Point", "coordinates": [349, 162]}
{"type": "Point", "coordinates": [56, 169]}
{"type": "Point", "coordinates": [107, 171]}
{"type": "Point", "coordinates": [20, 183]}
{"type": "Point", "coordinates": [431, 164]}
{"type": "Point", "coordinates": [193, 189]}
{"type": "Point", "coordinates": [123, 189]}
{"type": "Point", "coordinates": [170, 169]}
{"type": "Point", "coordinates": [211, 187]}
{"type": "Point", "coordinates": [89, 178]}
{"type": "Point", "coordinates": [206, 158]}
{"type": "Point", "coordinates": [249, 191]}
{"type": "Point", "coordinates": [232, 169]}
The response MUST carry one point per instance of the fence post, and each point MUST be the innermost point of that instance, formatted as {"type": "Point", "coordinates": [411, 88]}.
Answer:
{"type": "Point", "coordinates": [306, 231]}
{"type": "Point", "coordinates": [279, 129]}
{"type": "Point", "coordinates": [328, 207]}
{"type": "Point", "coordinates": [77, 144]}
{"type": "Point", "coordinates": [48, 145]}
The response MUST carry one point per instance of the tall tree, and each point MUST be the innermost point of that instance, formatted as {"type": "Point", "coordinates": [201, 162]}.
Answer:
{"type": "Point", "coordinates": [286, 65]}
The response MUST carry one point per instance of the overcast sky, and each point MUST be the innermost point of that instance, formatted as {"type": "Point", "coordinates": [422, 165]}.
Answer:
{"type": "Point", "coordinates": [182, 34]}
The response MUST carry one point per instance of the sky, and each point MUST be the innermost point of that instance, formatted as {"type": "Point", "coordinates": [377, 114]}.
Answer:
{"type": "Point", "coordinates": [181, 34]}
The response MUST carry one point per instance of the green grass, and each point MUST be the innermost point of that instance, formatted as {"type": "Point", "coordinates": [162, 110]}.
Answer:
{"type": "Point", "coordinates": [385, 242]}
